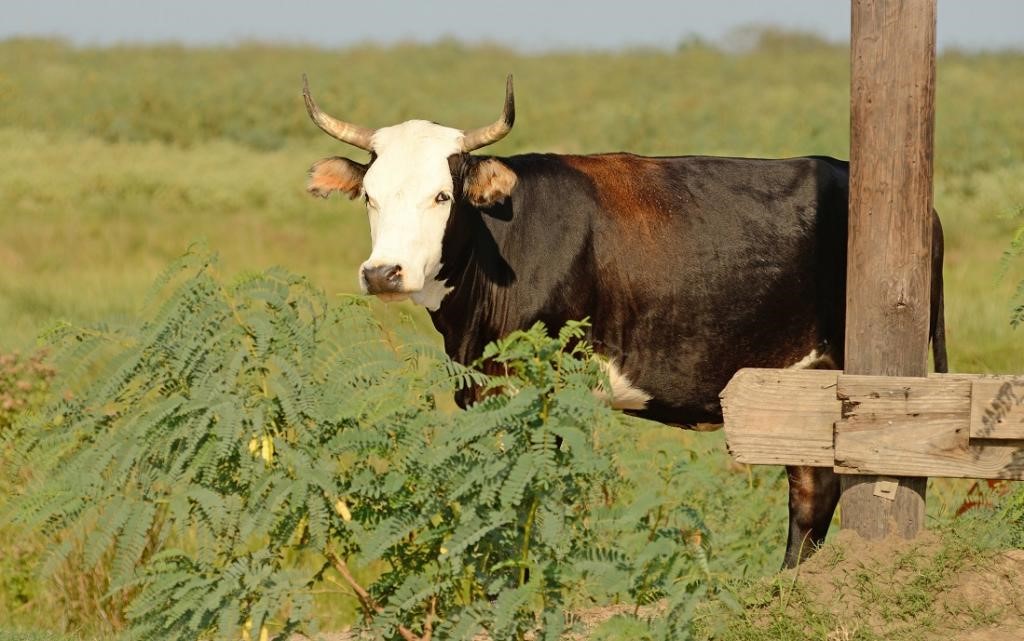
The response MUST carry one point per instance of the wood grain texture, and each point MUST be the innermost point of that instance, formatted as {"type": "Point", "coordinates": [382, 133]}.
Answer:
{"type": "Point", "coordinates": [917, 427]}
{"type": "Point", "coordinates": [879, 425]}
{"type": "Point", "coordinates": [892, 117]}
{"type": "Point", "coordinates": [892, 97]}
{"type": "Point", "coordinates": [875, 517]}
{"type": "Point", "coordinates": [781, 417]}
{"type": "Point", "coordinates": [997, 409]}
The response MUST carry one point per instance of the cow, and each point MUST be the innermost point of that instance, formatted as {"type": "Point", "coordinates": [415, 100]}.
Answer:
{"type": "Point", "coordinates": [688, 267]}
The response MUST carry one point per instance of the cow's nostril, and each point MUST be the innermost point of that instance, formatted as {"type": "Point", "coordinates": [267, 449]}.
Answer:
{"type": "Point", "coordinates": [383, 279]}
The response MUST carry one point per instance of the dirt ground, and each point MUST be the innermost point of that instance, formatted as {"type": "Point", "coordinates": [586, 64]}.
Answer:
{"type": "Point", "coordinates": [915, 589]}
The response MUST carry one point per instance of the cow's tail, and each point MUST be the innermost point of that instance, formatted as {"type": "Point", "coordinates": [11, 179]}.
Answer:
{"type": "Point", "coordinates": [939, 334]}
{"type": "Point", "coordinates": [938, 317]}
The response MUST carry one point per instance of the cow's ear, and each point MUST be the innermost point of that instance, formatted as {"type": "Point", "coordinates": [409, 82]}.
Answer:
{"type": "Point", "coordinates": [489, 182]}
{"type": "Point", "coordinates": [336, 174]}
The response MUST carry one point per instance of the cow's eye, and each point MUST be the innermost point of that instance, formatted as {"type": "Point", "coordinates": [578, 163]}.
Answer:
{"type": "Point", "coordinates": [442, 197]}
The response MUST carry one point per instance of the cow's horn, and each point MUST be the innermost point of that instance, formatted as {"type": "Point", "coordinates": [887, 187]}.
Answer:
{"type": "Point", "coordinates": [344, 131]}
{"type": "Point", "coordinates": [483, 136]}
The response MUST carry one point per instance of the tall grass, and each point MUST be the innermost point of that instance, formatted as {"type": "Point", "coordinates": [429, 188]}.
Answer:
{"type": "Point", "coordinates": [115, 159]}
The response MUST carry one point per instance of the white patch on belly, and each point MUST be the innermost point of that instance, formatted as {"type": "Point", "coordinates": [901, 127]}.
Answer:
{"type": "Point", "coordinates": [814, 360]}
{"type": "Point", "coordinates": [624, 395]}
{"type": "Point", "coordinates": [431, 295]}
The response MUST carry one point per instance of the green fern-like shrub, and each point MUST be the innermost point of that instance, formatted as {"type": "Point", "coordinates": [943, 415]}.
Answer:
{"type": "Point", "coordinates": [248, 439]}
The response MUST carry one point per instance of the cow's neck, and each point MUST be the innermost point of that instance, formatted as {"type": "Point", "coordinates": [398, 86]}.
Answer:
{"type": "Point", "coordinates": [480, 306]}
{"type": "Point", "coordinates": [510, 266]}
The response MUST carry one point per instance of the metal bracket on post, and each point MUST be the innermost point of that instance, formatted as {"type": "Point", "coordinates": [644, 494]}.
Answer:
{"type": "Point", "coordinates": [885, 487]}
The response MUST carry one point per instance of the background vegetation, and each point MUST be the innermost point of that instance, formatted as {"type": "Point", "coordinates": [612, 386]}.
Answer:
{"type": "Point", "coordinates": [112, 161]}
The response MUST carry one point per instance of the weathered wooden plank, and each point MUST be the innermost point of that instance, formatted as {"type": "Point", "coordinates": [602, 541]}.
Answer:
{"type": "Point", "coordinates": [888, 281]}
{"type": "Point", "coordinates": [997, 409]}
{"type": "Point", "coordinates": [786, 417]}
{"type": "Point", "coordinates": [892, 98]}
{"type": "Point", "coordinates": [906, 426]}
{"type": "Point", "coordinates": [781, 417]}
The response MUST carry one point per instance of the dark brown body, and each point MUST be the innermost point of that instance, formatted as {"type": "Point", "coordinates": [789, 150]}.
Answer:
{"type": "Point", "coordinates": [689, 269]}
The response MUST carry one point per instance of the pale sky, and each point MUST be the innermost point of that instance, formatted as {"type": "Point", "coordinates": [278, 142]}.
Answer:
{"type": "Point", "coordinates": [529, 25]}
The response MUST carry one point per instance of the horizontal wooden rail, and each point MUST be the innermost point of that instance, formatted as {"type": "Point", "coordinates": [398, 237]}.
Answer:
{"type": "Point", "coordinates": [953, 425]}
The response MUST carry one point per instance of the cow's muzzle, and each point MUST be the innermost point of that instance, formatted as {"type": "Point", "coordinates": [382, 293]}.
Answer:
{"type": "Point", "coordinates": [383, 279]}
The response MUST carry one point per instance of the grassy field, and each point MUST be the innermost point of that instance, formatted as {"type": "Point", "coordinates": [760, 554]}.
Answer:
{"type": "Point", "coordinates": [113, 161]}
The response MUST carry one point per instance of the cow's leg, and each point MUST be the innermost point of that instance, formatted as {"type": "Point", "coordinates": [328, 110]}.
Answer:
{"type": "Point", "coordinates": [813, 494]}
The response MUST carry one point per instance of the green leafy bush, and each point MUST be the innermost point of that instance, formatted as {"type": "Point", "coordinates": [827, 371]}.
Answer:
{"type": "Point", "coordinates": [248, 440]}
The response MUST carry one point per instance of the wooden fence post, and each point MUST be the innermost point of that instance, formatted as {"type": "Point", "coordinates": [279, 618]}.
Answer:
{"type": "Point", "coordinates": [892, 114]}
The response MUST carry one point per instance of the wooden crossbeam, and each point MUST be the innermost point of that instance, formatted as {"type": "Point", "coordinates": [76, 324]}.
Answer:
{"type": "Point", "coordinates": [781, 417]}
{"type": "Point", "coordinates": [946, 425]}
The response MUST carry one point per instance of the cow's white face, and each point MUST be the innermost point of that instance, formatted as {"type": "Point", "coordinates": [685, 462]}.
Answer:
{"type": "Point", "coordinates": [409, 197]}
{"type": "Point", "coordinates": [409, 194]}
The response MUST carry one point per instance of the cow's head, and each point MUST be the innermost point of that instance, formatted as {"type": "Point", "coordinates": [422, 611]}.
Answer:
{"type": "Point", "coordinates": [410, 192]}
